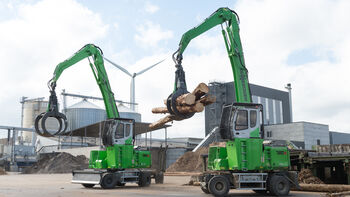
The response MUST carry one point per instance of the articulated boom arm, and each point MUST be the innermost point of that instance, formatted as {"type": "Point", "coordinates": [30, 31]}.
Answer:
{"type": "Point", "coordinates": [233, 46]}
{"type": "Point", "coordinates": [99, 72]}
{"type": "Point", "coordinates": [101, 77]}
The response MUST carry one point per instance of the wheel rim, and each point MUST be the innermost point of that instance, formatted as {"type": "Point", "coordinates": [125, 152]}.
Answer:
{"type": "Point", "coordinates": [280, 186]}
{"type": "Point", "coordinates": [109, 180]}
{"type": "Point", "coordinates": [219, 186]}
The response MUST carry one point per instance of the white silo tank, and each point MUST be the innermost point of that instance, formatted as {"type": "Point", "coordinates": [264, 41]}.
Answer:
{"type": "Point", "coordinates": [84, 113]}
{"type": "Point", "coordinates": [126, 112]}
{"type": "Point", "coordinates": [30, 110]}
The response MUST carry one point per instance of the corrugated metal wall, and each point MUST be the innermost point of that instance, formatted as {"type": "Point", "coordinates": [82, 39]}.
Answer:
{"type": "Point", "coordinates": [79, 117]}
{"type": "Point", "coordinates": [275, 102]}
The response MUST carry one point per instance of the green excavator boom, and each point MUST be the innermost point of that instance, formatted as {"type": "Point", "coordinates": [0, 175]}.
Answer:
{"type": "Point", "coordinates": [228, 18]}
{"type": "Point", "coordinates": [99, 72]}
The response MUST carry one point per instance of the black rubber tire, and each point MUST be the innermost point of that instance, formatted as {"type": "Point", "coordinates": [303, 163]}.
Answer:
{"type": "Point", "coordinates": [218, 186]}
{"type": "Point", "coordinates": [205, 189]}
{"type": "Point", "coordinates": [260, 191]}
{"type": "Point", "coordinates": [88, 185]}
{"type": "Point", "coordinates": [144, 179]}
{"type": "Point", "coordinates": [108, 181]}
{"type": "Point", "coordinates": [279, 185]}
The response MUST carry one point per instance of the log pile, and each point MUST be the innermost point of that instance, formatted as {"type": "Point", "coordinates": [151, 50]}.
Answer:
{"type": "Point", "coordinates": [305, 176]}
{"type": "Point", "coordinates": [334, 188]}
{"type": "Point", "coordinates": [193, 102]}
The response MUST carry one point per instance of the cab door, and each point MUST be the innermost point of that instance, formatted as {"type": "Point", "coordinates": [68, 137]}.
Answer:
{"type": "Point", "coordinates": [246, 123]}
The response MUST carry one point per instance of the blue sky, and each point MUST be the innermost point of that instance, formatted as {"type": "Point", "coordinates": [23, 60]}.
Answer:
{"type": "Point", "coordinates": [176, 16]}
{"type": "Point", "coordinates": [291, 41]}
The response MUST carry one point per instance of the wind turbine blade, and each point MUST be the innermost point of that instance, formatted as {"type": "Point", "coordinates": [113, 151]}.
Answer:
{"type": "Point", "coordinates": [142, 71]}
{"type": "Point", "coordinates": [120, 68]}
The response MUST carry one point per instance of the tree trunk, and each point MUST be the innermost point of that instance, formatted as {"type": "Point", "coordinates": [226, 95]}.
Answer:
{"type": "Point", "coordinates": [186, 99]}
{"type": "Point", "coordinates": [207, 100]}
{"type": "Point", "coordinates": [160, 110]}
{"type": "Point", "coordinates": [200, 90]}
{"type": "Point", "coordinates": [198, 107]}
{"type": "Point", "coordinates": [162, 122]}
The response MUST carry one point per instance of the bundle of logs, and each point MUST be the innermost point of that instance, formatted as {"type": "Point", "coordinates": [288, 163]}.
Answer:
{"type": "Point", "coordinates": [187, 103]}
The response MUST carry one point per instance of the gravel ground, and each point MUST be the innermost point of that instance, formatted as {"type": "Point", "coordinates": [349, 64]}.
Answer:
{"type": "Point", "coordinates": [58, 185]}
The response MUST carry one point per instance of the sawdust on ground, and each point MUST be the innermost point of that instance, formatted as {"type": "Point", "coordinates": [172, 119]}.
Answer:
{"type": "Point", "coordinates": [58, 163]}
{"type": "Point", "coordinates": [189, 162]}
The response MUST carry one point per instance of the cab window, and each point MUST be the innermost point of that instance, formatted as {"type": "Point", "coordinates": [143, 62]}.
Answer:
{"type": "Point", "coordinates": [241, 120]}
{"type": "Point", "coordinates": [119, 132]}
{"type": "Point", "coordinates": [252, 118]}
{"type": "Point", "coordinates": [127, 130]}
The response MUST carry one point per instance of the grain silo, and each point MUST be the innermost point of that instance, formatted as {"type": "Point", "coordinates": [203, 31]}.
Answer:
{"type": "Point", "coordinates": [126, 112]}
{"type": "Point", "coordinates": [32, 108]}
{"type": "Point", "coordinates": [84, 113]}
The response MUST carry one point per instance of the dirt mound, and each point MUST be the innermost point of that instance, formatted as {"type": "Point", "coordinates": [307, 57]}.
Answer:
{"type": "Point", "coordinates": [58, 163]}
{"type": "Point", "coordinates": [2, 171]}
{"type": "Point", "coordinates": [306, 176]}
{"type": "Point", "coordinates": [189, 162]}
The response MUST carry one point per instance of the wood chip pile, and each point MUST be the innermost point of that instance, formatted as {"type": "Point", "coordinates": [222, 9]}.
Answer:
{"type": "Point", "coordinates": [58, 163]}
{"type": "Point", "coordinates": [189, 162]}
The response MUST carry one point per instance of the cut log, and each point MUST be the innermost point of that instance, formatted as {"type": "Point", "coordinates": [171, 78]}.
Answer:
{"type": "Point", "coordinates": [198, 107]}
{"type": "Point", "coordinates": [200, 90]}
{"type": "Point", "coordinates": [160, 110]}
{"type": "Point", "coordinates": [340, 194]}
{"type": "Point", "coordinates": [207, 100]}
{"type": "Point", "coordinates": [187, 103]}
{"type": "Point", "coordinates": [324, 188]}
{"type": "Point", "coordinates": [162, 122]}
{"type": "Point", "coordinates": [186, 99]}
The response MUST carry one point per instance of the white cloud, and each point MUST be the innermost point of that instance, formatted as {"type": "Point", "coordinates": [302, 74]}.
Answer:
{"type": "Point", "coordinates": [151, 8]}
{"type": "Point", "coordinates": [150, 34]}
{"type": "Point", "coordinates": [319, 94]}
{"type": "Point", "coordinates": [48, 32]}
{"type": "Point", "coordinates": [10, 5]}
{"type": "Point", "coordinates": [34, 42]}
{"type": "Point", "coordinates": [270, 31]}
{"type": "Point", "coordinates": [116, 26]}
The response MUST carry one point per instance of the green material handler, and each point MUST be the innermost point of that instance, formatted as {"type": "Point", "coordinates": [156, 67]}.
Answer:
{"type": "Point", "coordinates": [242, 160]}
{"type": "Point", "coordinates": [119, 162]}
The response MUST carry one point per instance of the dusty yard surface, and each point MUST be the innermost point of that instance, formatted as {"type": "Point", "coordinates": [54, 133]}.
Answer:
{"type": "Point", "coordinates": [58, 185]}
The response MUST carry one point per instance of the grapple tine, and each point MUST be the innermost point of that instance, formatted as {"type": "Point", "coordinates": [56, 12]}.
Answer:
{"type": "Point", "coordinates": [180, 89]}
{"type": "Point", "coordinates": [51, 113]}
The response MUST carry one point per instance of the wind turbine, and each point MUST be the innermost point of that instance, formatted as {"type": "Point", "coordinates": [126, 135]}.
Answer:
{"type": "Point", "coordinates": [133, 76]}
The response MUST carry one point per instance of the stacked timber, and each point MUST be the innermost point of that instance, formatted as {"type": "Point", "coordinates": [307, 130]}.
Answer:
{"type": "Point", "coordinates": [305, 176]}
{"type": "Point", "coordinates": [193, 102]}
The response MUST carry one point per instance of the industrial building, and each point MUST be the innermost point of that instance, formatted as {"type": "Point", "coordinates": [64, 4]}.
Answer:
{"type": "Point", "coordinates": [275, 102]}
{"type": "Point", "coordinates": [339, 137]}
{"type": "Point", "coordinates": [85, 120]}
{"type": "Point", "coordinates": [277, 117]}
{"type": "Point", "coordinates": [310, 134]}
